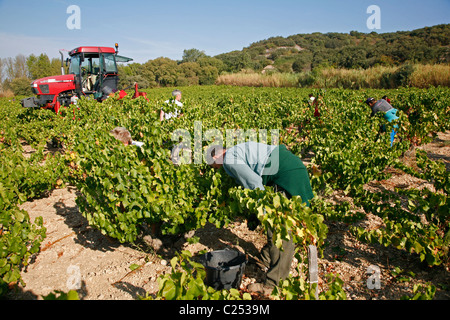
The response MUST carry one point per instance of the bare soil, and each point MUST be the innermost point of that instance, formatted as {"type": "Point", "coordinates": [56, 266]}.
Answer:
{"type": "Point", "coordinates": [103, 264]}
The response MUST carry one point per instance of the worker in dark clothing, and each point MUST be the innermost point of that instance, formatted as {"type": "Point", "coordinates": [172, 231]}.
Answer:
{"type": "Point", "coordinates": [254, 165]}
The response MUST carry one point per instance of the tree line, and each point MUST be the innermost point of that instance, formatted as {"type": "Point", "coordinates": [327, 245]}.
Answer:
{"type": "Point", "coordinates": [301, 53]}
{"type": "Point", "coordinates": [195, 68]}
{"type": "Point", "coordinates": [354, 50]}
{"type": "Point", "coordinates": [17, 73]}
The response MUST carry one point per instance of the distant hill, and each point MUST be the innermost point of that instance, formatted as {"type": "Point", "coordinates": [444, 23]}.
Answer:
{"type": "Point", "coordinates": [304, 52]}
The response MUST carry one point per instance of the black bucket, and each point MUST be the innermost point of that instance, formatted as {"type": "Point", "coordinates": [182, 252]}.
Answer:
{"type": "Point", "coordinates": [224, 268]}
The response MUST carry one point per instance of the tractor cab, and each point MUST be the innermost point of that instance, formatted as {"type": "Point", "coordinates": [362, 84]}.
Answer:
{"type": "Point", "coordinates": [95, 70]}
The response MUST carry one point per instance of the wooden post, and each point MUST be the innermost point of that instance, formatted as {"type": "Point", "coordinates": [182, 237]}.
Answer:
{"type": "Point", "coordinates": [313, 268]}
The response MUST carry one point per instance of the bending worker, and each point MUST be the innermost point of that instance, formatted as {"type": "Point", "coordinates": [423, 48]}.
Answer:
{"type": "Point", "coordinates": [254, 165]}
{"type": "Point", "coordinates": [123, 135]}
{"type": "Point", "coordinates": [384, 106]}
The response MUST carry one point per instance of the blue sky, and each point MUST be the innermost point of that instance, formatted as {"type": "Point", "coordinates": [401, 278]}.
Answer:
{"type": "Point", "coordinates": [150, 29]}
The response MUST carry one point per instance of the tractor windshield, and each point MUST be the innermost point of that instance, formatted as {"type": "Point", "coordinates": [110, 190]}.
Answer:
{"type": "Point", "coordinates": [74, 67]}
{"type": "Point", "coordinates": [90, 63]}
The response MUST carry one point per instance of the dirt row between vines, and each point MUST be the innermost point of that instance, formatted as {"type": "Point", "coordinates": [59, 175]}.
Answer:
{"type": "Point", "coordinates": [73, 250]}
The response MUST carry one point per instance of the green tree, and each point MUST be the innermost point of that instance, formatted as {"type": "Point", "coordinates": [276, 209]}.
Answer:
{"type": "Point", "coordinates": [208, 75]}
{"type": "Point", "coordinates": [352, 57]}
{"type": "Point", "coordinates": [161, 71]}
{"type": "Point", "coordinates": [192, 55]}
{"type": "Point", "coordinates": [324, 57]}
{"type": "Point", "coordinates": [20, 86]}
{"type": "Point", "coordinates": [16, 68]}
{"type": "Point", "coordinates": [135, 72]}
{"type": "Point", "coordinates": [235, 61]}
{"type": "Point", "coordinates": [188, 74]}
{"type": "Point", "coordinates": [209, 61]}
{"type": "Point", "coordinates": [303, 61]}
{"type": "Point", "coordinates": [39, 67]}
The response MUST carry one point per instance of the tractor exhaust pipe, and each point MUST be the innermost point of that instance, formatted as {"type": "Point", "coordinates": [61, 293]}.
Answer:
{"type": "Point", "coordinates": [62, 63]}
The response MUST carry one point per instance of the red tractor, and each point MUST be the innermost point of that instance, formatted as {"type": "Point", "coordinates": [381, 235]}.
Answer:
{"type": "Point", "coordinates": [92, 73]}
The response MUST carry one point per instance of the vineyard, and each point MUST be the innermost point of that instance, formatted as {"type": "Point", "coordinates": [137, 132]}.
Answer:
{"type": "Point", "coordinates": [374, 204]}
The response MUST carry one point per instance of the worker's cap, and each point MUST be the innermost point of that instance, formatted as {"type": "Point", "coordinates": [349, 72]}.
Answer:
{"type": "Point", "coordinates": [369, 100]}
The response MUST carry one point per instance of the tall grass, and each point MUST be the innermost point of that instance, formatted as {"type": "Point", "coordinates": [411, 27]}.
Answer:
{"type": "Point", "coordinates": [380, 77]}
{"type": "Point", "coordinates": [253, 79]}
{"type": "Point", "coordinates": [431, 75]}
{"type": "Point", "coordinates": [6, 93]}
{"type": "Point", "coordinates": [352, 78]}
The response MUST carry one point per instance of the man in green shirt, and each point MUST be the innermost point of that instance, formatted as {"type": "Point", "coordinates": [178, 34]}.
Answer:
{"type": "Point", "coordinates": [254, 165]}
